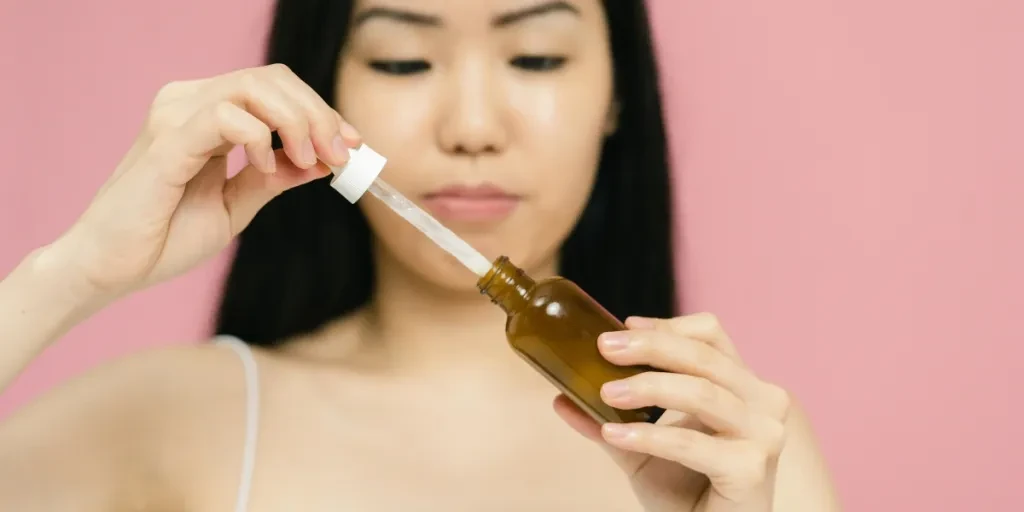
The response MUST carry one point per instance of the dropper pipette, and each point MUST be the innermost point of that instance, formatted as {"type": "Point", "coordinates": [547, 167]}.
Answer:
{"type": "Point", "coordinates": [361, 174]}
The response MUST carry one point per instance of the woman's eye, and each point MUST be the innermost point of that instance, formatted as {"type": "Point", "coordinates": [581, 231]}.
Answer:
{"type": "Point", "coordinates": [538, 62]}
{"type": "Point", "coordinates": [400, 67]}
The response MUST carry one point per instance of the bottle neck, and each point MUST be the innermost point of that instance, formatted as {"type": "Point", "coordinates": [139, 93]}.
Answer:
{"type": "Point", "coordinates": [507, 285]}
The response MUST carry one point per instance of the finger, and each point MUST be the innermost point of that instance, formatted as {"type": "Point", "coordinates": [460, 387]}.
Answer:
{"type": "Point", "coordinates": [710, 403]}
{"type": "Point", "coordinates": [246, 193]}
{"type": "Point", "coordinates": [696, 450]}
{"type": "Point", "coordinates": [257, 92]}
{"type": "Point", "coordinates": [241, 127]}
{"type": "Point", "coordinates": [701, 326]}
{"type": "Point", "coordinates": [331, 135]}
{"type": "Point", "coordinates": [178, 154]}
{"type": "Point", "coordinates": [582, 423]}
{"type": "Point", "coordinates": [576, 418]}
{"type": "Point", "coordinates": [677, 354]}
{"type": "Point", "coordinates": [352, 136]}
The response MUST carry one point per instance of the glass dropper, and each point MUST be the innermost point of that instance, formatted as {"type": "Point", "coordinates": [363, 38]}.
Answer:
{"type": "Point", "coordinates": [362, 173]}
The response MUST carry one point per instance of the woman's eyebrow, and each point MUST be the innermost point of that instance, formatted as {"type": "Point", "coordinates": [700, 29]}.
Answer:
{"type": "Point", "coordinates": [406, 16]}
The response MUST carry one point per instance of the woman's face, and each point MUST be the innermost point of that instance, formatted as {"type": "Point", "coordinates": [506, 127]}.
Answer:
{"type": "Point", "coordinates": [492, 114]}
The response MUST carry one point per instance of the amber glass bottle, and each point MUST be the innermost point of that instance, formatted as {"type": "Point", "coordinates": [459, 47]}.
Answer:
{"type": "Point", "coordinates": [554, 325]}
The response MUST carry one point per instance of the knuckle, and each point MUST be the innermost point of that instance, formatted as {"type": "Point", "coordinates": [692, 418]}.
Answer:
{"type": "Point", "coordinates": [709, 322]}
{"type": "Point", "coordinates": [778, 400]}
{"type": "Point", "coordinates": [325, 119]}
{"type": "Point", "coordinates": [704, 356]}
{"type": "Point", "coordinates": [706, 391]}
{"type": "Point", "coordinates": [164, 111]}
{"type": "Point", "coordinates": [293, 124]}
{"type": "Point", "coordinates": [168, 91]}
{"type": "Point", "coordinates": [682, 443]}
{"type": "Point", "coordinates": [647, 386]}
{"type": "Point", "coordinates": [640, 344]}
{"type": "Point", "coordinates": [256, 135]}
{"type": "Point", "coordinates": [222, 111]}
{"type": "Point", "coordinates": [249, 80]}
{"type": "Point", "coordinates": [702, 324]}
{"type": "Point", "coordinates": [161, 119]}
{"type": "Point", "coordinates": [699, 324]}
{"type": "Point", "coordinates": [319, 122]}
{"type": "Point", "coordinates": [263, 137]}
{"type": "Point", "coordinates": [279, 69]}
{"type": "Point", "coordinates": [678, 324]}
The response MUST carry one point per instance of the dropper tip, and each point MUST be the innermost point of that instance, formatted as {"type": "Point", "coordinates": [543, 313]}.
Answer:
{"type": "Point", "coordinates": [480, 267]}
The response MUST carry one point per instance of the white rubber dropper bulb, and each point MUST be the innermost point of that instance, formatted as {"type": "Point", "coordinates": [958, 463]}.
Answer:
{"type": "Point", "coordinates": [354, 178]}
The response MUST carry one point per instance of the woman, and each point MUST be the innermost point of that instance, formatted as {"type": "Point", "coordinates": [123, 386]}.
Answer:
{"type": "Point", "coordinates": [379, 378]}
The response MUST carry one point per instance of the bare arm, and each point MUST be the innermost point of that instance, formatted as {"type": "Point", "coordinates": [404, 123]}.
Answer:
{"type": "Point", "coordinates": [140, 433]}
{"type": "Point", "coordinates": [140, 229]}
{"type": "Point", "coordinates": [84, 446]}
{"type": "Point", "coordinates": [39, 302]}
{"type": "Point", "coordinates": [89, 446]}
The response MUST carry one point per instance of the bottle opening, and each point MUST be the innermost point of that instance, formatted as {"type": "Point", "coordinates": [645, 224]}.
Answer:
{"type": "Point", "coordinates": [506, 285]}
{"type": "Point", "coordinates": [485, 281]}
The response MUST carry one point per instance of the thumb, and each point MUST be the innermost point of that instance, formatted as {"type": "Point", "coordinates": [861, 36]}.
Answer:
{"type": "Point", "coordinates": [629, 462]}
{"type": "Point", "coordinates": [251, 189]}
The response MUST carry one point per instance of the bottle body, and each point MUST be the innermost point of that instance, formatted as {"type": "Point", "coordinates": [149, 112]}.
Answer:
{"type": "Point", "coordinates": [554, 325]}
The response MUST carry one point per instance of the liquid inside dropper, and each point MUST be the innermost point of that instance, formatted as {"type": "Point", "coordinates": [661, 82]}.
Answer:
{"type": "Point", "coordinates": [429, 226]}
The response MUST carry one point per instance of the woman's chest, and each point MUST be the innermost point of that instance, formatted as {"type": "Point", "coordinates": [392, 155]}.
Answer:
{"type": "Point", "coordinates": [382, 450]}
{"type": "Point", "coordinates": [413, 477]}
{"type": "Point", "coordinates": [453, 458]}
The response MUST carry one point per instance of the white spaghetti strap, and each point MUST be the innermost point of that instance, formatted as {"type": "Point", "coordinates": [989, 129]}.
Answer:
{"type": "Point", "coordinates": [252, 416]}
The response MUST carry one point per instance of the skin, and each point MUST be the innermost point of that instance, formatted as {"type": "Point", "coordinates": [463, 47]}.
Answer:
{"type": "Point", "coordinates": [417, 392]}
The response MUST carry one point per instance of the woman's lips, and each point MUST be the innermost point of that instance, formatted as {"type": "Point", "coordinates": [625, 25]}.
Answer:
{"type": "Point", "coordinates": [482, 203]}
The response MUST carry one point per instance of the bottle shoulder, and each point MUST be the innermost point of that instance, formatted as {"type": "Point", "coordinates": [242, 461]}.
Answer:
{"type": "Point", "coordinates": [555, 286]}
{"type": "Point", "coordinates": [562, 300]}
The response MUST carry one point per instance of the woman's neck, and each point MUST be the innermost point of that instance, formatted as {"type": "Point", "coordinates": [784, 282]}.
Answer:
{"type": "Point", "coordinates": [416, 326]}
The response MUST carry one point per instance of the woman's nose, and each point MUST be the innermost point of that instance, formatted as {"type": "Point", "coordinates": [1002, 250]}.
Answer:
{"type": "Point", "coordinates": [473, 121]}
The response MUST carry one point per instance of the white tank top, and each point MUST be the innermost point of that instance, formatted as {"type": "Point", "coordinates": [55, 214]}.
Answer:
{"type": "Point", "coordinates": [252, 417]}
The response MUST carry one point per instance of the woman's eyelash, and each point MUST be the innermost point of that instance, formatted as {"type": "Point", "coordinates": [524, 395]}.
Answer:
{"type": "Point", "coordinates": [413, 66]}
{"type": "Point", "coordinates": [538, 62]}
{"type": "Point", "coordinates": [400, 67]}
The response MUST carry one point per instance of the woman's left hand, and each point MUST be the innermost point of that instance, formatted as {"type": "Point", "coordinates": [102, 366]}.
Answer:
{"type": "Point", "coordinates": [723, 455]}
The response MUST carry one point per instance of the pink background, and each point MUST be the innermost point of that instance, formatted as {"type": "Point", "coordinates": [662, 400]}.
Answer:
{"type": "Point", "coordinates": [851, 202]}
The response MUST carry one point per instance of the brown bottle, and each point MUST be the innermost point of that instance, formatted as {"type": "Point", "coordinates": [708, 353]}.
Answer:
{"type": "Point", "coordinates": [554, 325]}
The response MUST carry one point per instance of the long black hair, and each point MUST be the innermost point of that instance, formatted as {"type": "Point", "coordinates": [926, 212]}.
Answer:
{"type": "Point", "coordinates": [306, 258]}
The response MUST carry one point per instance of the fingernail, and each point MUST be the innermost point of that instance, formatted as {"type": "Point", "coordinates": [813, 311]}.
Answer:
{"type": "Point", "coordinates": [340, 149]}
{"type": "Point", "coordinates": [615, 389]}
{"type": "Point", "coordinates": [308, 153]}
{"type": "Point", "coordinates": [640, 322]}
{"type": "Point", "coordinates": [615, 340]}
{"type": "Point", "coordinates": [271, 161]}
{"type": "Point", "coordinates": [616, 431]}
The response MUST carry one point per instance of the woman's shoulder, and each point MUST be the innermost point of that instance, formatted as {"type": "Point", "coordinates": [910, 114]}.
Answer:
{"type": "Point", "coordinates": [148, 413]}
{"type": "Point", "coordinates": [149, 380]}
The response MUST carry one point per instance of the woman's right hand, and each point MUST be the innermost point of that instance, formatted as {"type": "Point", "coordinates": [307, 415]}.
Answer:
{"type": "Point", "coordinates": [169, 205]}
